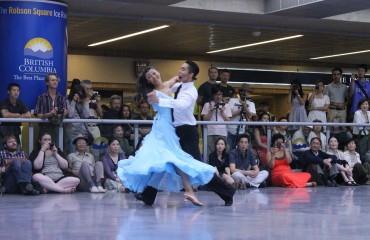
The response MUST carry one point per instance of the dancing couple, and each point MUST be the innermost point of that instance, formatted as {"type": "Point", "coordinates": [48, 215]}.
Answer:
{"type": "Point", "coordinates": [169, 158]}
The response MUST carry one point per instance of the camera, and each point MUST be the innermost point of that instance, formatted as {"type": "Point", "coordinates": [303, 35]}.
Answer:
{"type": "Point", "coordinates": [295, 87]}
{"type": "Point", "coordinates": [51, 146]}
{"type": "Point", "coordinates": [278, 145]}
{"type": "Point", "coordinates": [219, 105]}
{"type": "Point", "coordinates": [317, 87]}
{"type": "Point", "coordinates": [60, 110]}
{"type": "Point", "coordinates": [95, 94]}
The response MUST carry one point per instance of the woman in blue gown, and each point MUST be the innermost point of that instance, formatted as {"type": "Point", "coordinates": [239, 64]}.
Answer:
{"type": "Point", "coordinates": [160, 162]}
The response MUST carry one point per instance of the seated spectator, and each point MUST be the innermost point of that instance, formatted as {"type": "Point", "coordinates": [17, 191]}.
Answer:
{"type": "Point", "coordinates": [260, 137]}
{"type": "Point", "coordinates": [243, 166]}
{"type": "Point", "coordinates": [320, 165]}
{"type": "Point", "coordinates": [220, 160]}
{"type": "Point", "coordinates": [110, 161]}
{"type": "Point", "coordinates": [82, 164]}
{"type": "Point", "coordinates": [340, 133]}
{"type": "Point", "coordinates": [300, 145]}
{"type": "Point", "coordinates": [318, 133]}
{"type": "Point", "coordinates": [318, 103]}
{"type": "Point", "coordinates": [12, 107]}
{"type": "Point", "coordinates": [360, 169]}
{"type": "Point", "coordinates": [278, 159]}
{"type": "Point", "coordinates": [342, 165]}
{"type": "Point", "coordinates": [119, 133]}
{"type": "Point", "coordinates": [15, 169]}
{"type": "Point", "coordinates": [78, 108]}
{"type": "Point", "coordinates": [144, 129]}
{"type": "Point", "coordinates": [49, 165]}
{"type": "Point", "coordinates": [362, 115]}
{"type": "Point", "coordinates": [283, 131]}
{"type": "Point", "coordinates": [218, 111]}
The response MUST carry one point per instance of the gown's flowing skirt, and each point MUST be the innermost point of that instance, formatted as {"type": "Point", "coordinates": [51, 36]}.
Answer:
{"type": "Point", "coordinates": [155, 163]}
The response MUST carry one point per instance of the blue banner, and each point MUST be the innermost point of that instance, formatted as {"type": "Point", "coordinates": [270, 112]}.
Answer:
{"type": "Point", "coordinates": [34, 43]}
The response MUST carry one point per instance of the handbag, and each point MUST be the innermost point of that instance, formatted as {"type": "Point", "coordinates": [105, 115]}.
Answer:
{"type": "Point", "coordinates": [90, 137]}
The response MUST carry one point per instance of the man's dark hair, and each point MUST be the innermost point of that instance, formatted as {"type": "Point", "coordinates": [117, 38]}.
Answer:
{"type": "Point", "coordinates": [225, 71]}
{"type": "Point", "coordinates": [244, 136]}
{"type": "Point", "coordinates": [11, 85]}
{"type": "Point", "coordinates": [364, 66]}
{"type": "Point", "coordinates": [337, 69]}
{"type": "Point", "coordinates": [193, 68]}
{"type": "Point", "coordinates": [314, 139]}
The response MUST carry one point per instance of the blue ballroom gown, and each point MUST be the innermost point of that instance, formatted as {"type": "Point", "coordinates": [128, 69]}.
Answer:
{"type": "Point", "coordinates": [154, 163]}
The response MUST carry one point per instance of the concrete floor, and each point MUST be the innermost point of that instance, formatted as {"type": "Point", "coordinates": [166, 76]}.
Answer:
{"type": "Point", "coordinates": [270, 213]}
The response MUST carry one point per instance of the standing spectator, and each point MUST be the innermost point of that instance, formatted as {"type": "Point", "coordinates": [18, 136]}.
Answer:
{"type": "Point", "coordinates": [144, 129]}
{"type": "Point", "coordinates": [297, 99]}
{"type": "Point", "coordinates": [243, 166]}
{"type": "Point", "coordinates": [227, 90]}
{"type": "Point", "coordinates": [263, 107]}
{"type": "Point", "coordinates": [219, 111]}
{"type": "Point", "coordinates": [359, 88]}
{"type": "Point", "coordinates": [320, 165]}
{"type": "Point", "coordinates": [51, 105]}
{"type": "Point", "coordinates": [15, 169]}
{"type": "Point", "coordinates": [205, 94]}
{"type": "Point", "coordinates": [220, 160]}
{"type": "Point", "coordinates": [95, 109]}
{"type": "Point", "coordinates": [83, 165]}
{"type": "Point", "coordinates": [242, 110]}
{"type": "Point", "coordinates": [12, 107]}
{"type": "Point", "coordinates": [49, 164]}
{"type": "Point", "coordinates": [337, 93]}
{"type": "Point", "coordinates": [318, 103]}
{"type": "Point", "coordinates": [78, 108]}
{"type": "Point", "coordinates": [110, 161]}
{"type": "Point", "coordinates": [361, 134]}
{"type": "Point", "coordinates": [114, 112]}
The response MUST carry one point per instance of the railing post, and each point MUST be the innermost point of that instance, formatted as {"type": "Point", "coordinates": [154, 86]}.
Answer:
{"type": "Point", "coordinates": [136, 131]}
{"type": "Point", "coordinates": [327, 138]}
{"type": "Point", "coordinates": [205, 143]}
{"type": "Point", "coordinates": [60, 136]}
{"type": "Point", "coordinates": [30, 137]}
{"type": "Point", "coordinates": [268, 137]}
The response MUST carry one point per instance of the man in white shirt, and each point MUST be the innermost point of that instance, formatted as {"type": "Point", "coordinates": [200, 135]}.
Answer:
{"type": "Point", "coordinates": [183, 105]}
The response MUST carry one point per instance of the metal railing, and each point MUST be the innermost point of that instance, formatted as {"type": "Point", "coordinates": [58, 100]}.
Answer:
{"type": "Point", "coordinates": [137, 123]}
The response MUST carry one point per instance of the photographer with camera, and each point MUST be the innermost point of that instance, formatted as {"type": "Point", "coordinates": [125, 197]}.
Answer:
{"type": "Point", "coordinates": [95, 109]}
{"type": "Point", "coordinates": [216, 110]}
{"type": "Point", "coordinates": [78, 108]}
{"type": "Point", "coordinates": [51, 105]}
{"type": "Point", "coordinates": [297, 99]}
{"type": "Point", "coordinates": [242, 110]}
